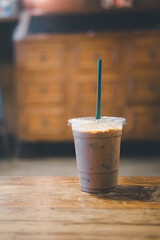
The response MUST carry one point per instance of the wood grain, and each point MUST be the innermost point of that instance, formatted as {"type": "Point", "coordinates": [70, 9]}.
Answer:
{"type": "Point", "coordinates": [54, 208]}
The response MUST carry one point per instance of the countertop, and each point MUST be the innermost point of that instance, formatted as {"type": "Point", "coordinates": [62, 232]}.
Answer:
{"type": "Point", "coordinates": [55, 208]}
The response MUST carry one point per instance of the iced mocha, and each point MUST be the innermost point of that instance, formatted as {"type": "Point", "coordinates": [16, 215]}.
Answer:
{"type": "Point", "coordinates": [97, 154]}
{"type": "Point", "coordinates": [97, 146]}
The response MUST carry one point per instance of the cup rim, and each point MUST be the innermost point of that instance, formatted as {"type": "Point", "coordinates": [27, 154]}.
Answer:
{"type": "Point", "coordinates": [93, 120]}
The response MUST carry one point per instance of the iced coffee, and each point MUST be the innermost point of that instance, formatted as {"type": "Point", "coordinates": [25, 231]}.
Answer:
{"type": "Point", "coordinates": [97, 146]}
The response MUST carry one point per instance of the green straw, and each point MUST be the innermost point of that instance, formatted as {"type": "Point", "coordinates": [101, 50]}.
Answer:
{"type": "Point", "coordinates": [98, 107]}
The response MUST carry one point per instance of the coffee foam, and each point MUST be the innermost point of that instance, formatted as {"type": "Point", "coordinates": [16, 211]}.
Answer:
{"type": "Point", "coordinates": [96, 127]}
{"type": "Point", "coordinates": [91, 124]}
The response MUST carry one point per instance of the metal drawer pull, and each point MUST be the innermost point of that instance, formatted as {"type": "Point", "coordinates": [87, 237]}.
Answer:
{"type": "Point", "coordinates": [94, 88]}
{"type": "Point", "coordinates": [44, 122]}
{"type": "Point", "coordinates": [43, 57]}
{"type": "Point", "coordinates": [154, 120]}
{"type": "Point", "coordinates": [96, 56]}
{"type": "Point", "coordinates": [152, 87]}
{"type": "Point", "coordinates": [43, 90]}
{"type": "Point", "coordinates": [152, 54]}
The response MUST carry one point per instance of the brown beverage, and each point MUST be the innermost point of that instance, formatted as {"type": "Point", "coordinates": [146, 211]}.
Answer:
{"type": "Point", "coordinates": [97, 145]}
{"type": "Point", "coordinates": [97, 154]}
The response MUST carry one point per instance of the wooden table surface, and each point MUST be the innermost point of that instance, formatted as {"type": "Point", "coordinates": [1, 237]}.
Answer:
{"type": "Point", "coordinates": [47, 208]}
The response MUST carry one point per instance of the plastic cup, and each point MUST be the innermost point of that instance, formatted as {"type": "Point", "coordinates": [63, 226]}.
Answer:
{"type": "Point", "coordinates": [97, 145]}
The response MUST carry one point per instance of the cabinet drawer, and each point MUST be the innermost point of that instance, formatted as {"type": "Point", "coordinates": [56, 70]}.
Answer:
{"type": "Point", "coordinates": [146, 40]}
{"type": "Point", "coordinates": [42, 93]}
{"type": "Point", "coordinates": [85, 89]}
{"type": "Point", "coordinates": [85, 57]}
{"type": "Point", "coordinates": [145, 51]}
{"type": "Point", "coordinates": [39, 77]}
{"type": "Point", "coordinates": [145, 123]}
{"type": "Point", "coordinates": [43, 124]}
{"type": "Point", "coordinates": [89, 110]}
{"type": "Point", "coordinates": [144, 89]}
{"type": "Point", "coordinates": [44, 87]}
{"type": "Point", "coordinates": [146, 56]}
{"type": "Point", "coordinates": [41, 55]}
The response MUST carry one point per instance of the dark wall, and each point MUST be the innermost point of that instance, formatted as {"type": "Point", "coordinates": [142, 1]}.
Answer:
{"type": "Point", "coordinates": [6, 49]}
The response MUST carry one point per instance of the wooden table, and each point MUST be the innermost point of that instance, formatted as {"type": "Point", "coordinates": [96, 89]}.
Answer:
{"type": "Point", "coordinates": [46, 208]}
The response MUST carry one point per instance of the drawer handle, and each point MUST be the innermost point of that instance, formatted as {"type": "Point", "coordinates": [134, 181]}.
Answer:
{"type": "Point", "coordinates": [43, 90]}
{"type": "Point", "coordinates": [152, 87]}
{"type": "Point", "coordinates": [44, 122]}
{"type": "Point", "coordinates": [43, 57]}
{"type": "Point", "coordinates": [152, 54]}
{"type": "Point", "coordinates": [96, 56]}
{"type": "Point", "coordinates": [154, 120]}
{"type": "Point", "coordinates": [94, 89]}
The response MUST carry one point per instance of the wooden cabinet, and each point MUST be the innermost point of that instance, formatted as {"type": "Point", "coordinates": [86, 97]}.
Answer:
{"type": "Point", "coordinates": [43, 124]}
{"type": "Point", "coordinates": [144, 89]}
{"type": "Point", "coordinates": [145, 52]}
{"type": "Point", "coordinates": [85, 55]}
{"type": "Point", "coordinates": [44, 56]}
{"type": "Point", "coordinates": [42, 87]}
{"type": "Point", "coordinates": [144, 123]}
{"type": "Point", "coordinates": [56, 80]}
{"type": "Point", "coordinates": [85, 87]}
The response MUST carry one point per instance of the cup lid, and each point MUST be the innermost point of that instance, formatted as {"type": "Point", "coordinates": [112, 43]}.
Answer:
{"type": "Point", "coordinates": [93, 120]}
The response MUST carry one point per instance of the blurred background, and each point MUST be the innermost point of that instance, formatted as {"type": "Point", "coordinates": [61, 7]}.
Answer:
{"type": "Point", "coordinates": [48, 72]}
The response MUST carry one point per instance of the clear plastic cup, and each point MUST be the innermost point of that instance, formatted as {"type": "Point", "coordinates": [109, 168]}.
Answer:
{"type": "Point", "coordinates": [97, 146]}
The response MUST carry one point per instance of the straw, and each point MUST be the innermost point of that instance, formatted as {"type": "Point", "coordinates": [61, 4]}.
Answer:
{"type": "Point", "coordinates": [98, 107]}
